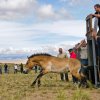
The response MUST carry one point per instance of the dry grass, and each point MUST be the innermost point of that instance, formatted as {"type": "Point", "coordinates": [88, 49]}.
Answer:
{"type": "Point", "coordinates": [17, 87]}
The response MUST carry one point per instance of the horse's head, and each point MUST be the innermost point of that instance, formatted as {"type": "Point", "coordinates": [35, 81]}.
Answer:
{"type": "Point", "coordinates": [35, 60]}
{"type": "Point", "coordinates": [31, 63]}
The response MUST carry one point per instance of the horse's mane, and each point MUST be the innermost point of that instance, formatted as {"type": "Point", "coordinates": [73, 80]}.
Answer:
{"type": "Point", "coordinates": [40, 54]}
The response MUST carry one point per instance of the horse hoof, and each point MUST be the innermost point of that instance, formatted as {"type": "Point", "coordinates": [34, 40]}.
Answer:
{"type": "Point", "coordinates": [39, 85]}
{"type": "Point", "coordinates": [86, 86]}
{"type": "Point", "coordinates": [32, 85]}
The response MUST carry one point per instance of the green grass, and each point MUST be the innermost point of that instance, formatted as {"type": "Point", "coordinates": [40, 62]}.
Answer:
{"type": "Point", "coordinates": [17, 87]}
{"type": "Point", "coordinates": [79, 94]}
{"type": "Point", "coordinates": [61, 95]}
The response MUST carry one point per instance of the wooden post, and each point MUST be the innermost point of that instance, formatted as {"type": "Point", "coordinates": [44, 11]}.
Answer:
{"type": "Point", "coordinates": [91, 50]}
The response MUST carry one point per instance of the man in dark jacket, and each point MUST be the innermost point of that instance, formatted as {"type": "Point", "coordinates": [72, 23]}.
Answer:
{"type": "Point", "coordinates": [97, 34]}
{"type": "Point", "coordinates": [6, 68]}
{"type": "Point", "coordinates": [97, 16]}
{"type": "Point", "coordinates": [0, 69]}
{"type": "Point", "coordinates": [21, 68]}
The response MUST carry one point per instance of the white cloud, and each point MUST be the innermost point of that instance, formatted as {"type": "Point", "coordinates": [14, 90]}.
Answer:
{"type": "Point", "coordinates": [76, 2]}
{"type": "Point", "coordinates": [71, 27]}
{"type": "Point", "coordinates": [45, 11]}
{"type": "Point", "coordinates": [52, 49]}
{"type": "Point", "coordinates": [11, 9]}
{"type": "Point", "coordinates": [16, 38]}
{"type": "Point", "coordinates": [48, 12]}
{"type": "Point", "coordinates": [14, 9]}
{"type": "Point", "coordinates": [38, 34]}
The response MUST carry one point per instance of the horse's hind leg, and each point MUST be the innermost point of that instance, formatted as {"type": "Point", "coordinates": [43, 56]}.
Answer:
{"type": "Point", "coordinates": [83, 83]}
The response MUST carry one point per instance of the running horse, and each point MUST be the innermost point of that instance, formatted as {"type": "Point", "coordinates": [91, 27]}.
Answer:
{"type": "Point", "coordinates": [49, 63]}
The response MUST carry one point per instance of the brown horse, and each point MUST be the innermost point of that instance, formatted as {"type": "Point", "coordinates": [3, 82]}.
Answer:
{"type": "Point", "coordinates": [53, 64]}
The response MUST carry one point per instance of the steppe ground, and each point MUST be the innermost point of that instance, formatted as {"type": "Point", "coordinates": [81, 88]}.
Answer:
{"type": "Point", "coordinates": [17, 87]}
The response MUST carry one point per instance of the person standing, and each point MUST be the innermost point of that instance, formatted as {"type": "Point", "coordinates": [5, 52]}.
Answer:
{"type": "Point", "coordinates": [64, 76]}
{"type": "Point", "coordinates": [74, 56]}
{"type": "Point", "coordinates": [5, 68]}
{"type": "Point", "coordinates": [15, 68]}
{"type": "Point", "coordinates": [96, 33]}
{"type": "Point", "coordinates": [21, 68]}
{"type": "Point", "coordinates": [36, 68]}
{"type": "Point", "coordinates": [77, 51]}
{"type": "Point", "coordinates": [83, 52]}
{"type": "Point", "coordinates": [97, 20]}
{"type": "Point", "coordinates": [0, 69]}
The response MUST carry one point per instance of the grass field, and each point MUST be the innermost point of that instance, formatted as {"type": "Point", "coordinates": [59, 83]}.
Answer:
{"type": "Point", "coordinates": [17, 87]}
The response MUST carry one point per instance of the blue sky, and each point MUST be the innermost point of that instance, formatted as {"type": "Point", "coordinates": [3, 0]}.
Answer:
{"type": "Point", "coordinates": [37, 24]}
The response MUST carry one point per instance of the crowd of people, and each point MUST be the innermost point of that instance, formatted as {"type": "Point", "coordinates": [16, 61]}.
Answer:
{"type": "Point", "coordinates": [77, 52]}
{"type": "Point", "coordinates": [80, 49]}
{"type": "Point", "coordinates": [16, 68]}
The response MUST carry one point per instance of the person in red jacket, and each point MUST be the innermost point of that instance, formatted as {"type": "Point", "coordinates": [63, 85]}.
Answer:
{"type": "Point", "coordinates": [74, 56]}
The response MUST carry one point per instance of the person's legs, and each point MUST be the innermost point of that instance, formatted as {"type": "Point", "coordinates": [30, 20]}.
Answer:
{"type": "Point", "coordinates": [5, 70]}
{"type": "Point", "coordinates": [21, 70]}
{"type": "Point", "coordinates": [84, 62]}
{"type": "Point", "coordinates": [0, 71]}
{"type": "Point", "coordinates": [16, 70]}
{"type": "Point", "coordinates": [98, 51]}
{"type": "Point", "coordinates": [98, 57]}
{"type": "Point", "coordinates": [35, 69]}
{"type": "Point", "coordinates": [66, 76]}
{"type": "Point", "coordinates": [98, 45]}
{"type": "Point", "coordinates": [62, 76]}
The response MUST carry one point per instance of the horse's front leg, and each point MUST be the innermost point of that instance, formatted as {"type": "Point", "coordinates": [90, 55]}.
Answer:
{"type": "Point", "coordinates": [38, 78]}
{"type": "Point", "coordinates": [34, 82]}
{"type": "Point", "coordinates": [39, 82]}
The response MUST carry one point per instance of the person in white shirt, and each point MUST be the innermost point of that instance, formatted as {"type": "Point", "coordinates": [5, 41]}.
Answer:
{"type": "Point", "coordinates": [64, 76]}
{"type": "Point", "coordinates": [15, 68]}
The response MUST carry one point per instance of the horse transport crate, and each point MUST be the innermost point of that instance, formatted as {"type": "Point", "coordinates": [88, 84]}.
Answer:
{"type": "Point", "coordinates": [93, 61]}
